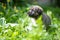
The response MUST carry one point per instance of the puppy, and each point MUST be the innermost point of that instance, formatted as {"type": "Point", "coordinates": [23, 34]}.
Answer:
{"type": "Point", "coordinates": [36, 11]}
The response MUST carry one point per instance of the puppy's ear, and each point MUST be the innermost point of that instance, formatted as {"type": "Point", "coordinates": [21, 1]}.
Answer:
{"type": "Point", "coordinates": [39, 11]}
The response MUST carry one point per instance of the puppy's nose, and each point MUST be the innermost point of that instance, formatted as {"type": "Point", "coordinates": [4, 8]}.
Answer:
{"type": "Point", "coordinates": [29, 13]}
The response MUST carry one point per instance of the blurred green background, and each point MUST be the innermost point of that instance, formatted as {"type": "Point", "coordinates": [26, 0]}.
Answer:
{"type": "Point", "coordinates": [15, 24]}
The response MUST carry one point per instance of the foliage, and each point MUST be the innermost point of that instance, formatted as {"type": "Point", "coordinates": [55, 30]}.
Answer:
{"type": "Point", "coordinates": [25, 29]}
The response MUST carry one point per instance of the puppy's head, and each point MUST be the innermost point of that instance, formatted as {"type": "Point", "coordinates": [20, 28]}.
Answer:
{"type": "Point", "coordinates": [35, 11]}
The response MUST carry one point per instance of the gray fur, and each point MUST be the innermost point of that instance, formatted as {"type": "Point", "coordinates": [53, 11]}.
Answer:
{"type": "Point", "coordinates": [36, 11]}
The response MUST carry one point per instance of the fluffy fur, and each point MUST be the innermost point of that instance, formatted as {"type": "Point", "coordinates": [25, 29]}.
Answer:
{"type": "Point", "coordinates": [36, 11]}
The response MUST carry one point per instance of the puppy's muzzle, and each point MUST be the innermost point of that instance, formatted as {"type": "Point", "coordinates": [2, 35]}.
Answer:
{"type": "Point", "coordinates": [31, 14]}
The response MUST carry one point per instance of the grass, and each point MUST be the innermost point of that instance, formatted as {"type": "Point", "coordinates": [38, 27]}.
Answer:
{"type": "Point", "coordinates": [25, 29]}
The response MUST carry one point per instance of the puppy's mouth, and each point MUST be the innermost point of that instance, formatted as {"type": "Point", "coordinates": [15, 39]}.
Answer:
{"type": "Point", "coordinates": [33, 15]}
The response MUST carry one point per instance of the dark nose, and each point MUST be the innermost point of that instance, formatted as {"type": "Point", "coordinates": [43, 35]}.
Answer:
{"type": "Point", "coordinates": [30, 14]}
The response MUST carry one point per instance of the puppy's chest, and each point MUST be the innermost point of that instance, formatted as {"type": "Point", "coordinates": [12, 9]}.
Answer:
{"type": "Point", "coordinates": [39, 21]}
